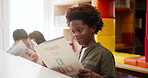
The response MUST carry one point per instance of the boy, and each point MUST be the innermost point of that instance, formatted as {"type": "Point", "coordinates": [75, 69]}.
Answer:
{"type": "Point", "coordinates": [98, 62]}
{"type": "Point", "coordinates": [20, 34]}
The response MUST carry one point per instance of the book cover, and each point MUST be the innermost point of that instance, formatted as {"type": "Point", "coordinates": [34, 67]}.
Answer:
{"type": "Point", "coordinates": [58, 55]}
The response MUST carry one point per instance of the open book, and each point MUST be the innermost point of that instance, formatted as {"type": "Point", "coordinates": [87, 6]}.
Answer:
{"type": "Point", "coordinates": [58, 55]}
{"type": "Point", "coordinates": [19, 50]}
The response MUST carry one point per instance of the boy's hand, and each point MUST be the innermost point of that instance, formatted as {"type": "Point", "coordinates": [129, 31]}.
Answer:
{"type": "Point", "coordinates": [34, 56]}
{"type": "Point", "coordinates": [87, 73]}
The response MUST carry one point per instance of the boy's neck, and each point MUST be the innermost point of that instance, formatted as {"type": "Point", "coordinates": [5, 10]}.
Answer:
{"type": "Point", "coordinates": [84, 46]}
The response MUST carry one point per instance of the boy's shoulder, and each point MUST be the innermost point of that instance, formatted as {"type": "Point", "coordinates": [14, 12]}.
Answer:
{"type": "Point", "coordinates": [98, 47]}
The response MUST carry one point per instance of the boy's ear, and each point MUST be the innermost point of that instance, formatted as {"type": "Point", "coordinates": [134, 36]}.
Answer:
{"type": "Point", "coordinates": [93, 28]}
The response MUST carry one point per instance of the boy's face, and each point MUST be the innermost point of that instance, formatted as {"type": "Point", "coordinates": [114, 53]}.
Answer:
{"type": "Point", "coordinates": [82, 32]}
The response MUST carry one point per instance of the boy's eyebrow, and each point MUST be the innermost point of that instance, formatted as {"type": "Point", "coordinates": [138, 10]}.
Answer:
{"type": "Point", "coordinates": [78, 26]}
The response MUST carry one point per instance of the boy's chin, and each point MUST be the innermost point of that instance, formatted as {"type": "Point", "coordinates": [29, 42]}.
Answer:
{"type": "Point", "coordinates": [80, 43]}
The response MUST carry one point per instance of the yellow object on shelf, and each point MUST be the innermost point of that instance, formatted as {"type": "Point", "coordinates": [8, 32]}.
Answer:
{"type": "Point", "coordinates": [120, 56]}
{"type": "Point", "coordinates": [109, 27]}
{"type": "Point", "coordinates": [107, 36]}
{"type": "Point", "coordinates": [107, 41]}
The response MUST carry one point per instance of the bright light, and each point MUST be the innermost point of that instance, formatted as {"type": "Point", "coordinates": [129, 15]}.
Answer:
{"type": "Point", "coordinates": [26, 14]}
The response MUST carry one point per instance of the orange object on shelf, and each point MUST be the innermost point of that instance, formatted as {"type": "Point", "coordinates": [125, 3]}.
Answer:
{"type": "Point", "coordinates": [132, 60]}
{"type": "Point", "coordinates": [142, 62]}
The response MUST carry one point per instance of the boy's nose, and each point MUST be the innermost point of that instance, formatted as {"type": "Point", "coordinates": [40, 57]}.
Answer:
{"type": "Point", "coordinates": [76, 34]}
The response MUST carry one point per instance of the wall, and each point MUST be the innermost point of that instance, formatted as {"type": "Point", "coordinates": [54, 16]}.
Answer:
{"type": "Point", "coordinates": [1, 24]}
{"type": "Point", "coordinates": [4, 30]}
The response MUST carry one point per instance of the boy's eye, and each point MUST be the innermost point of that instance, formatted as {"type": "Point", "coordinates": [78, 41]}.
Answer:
{"type": "Point", "coordinates": [79, 30]}
{"type": "Point", "coordinates": [76, 31]}
{"type": "Point", "coordinates": [73, 32]}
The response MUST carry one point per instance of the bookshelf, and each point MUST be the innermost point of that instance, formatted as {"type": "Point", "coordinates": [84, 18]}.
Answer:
{"type": "Point", "coordinates": [60, 7]}
{"type": "Point", "coordinates": [124, 16]}
{"type": "Point", "coordinates": [140, 19]}
{"type": "Point", "coordinates": [130, 26]}
{"type": "Point", "coordinates": [57, 15]}
{"type": "Point", "coordinates": [122, 3]}
{"type": "Point", "coordinates": [130, 23]}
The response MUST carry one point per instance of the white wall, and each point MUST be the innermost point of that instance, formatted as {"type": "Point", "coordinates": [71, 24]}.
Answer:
{"type": "Point", "coordinates": [48, 20]}
{"type": "Point", "coordinates": [4, 25]}
{"type": "Point", "coordinates": [1, 28]}
{"type": "Point", "coordinates": [26, 14]}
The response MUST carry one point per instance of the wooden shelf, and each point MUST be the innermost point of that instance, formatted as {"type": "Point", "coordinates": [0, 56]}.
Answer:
{"type": "Point", "coordinates": [124, 47]}
{"type": "Point", "coordinates": [140, 5]}
{"type": "Point", "coordinates": [123, 9]}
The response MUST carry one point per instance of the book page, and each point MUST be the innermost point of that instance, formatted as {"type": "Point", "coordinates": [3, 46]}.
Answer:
{"type": "Point", "coordinates": [58, 55]}
{"type": "Point", "coordinates": [19, 50]}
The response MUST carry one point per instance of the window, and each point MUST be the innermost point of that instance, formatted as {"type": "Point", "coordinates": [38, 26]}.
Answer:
{"type": "Point", "coordinates": [26, 14]}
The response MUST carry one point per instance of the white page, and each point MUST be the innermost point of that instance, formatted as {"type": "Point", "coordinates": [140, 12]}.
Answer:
{"type": "Point", "coordinates": [19, 50]}
{"type": "Point", "coordinates": [58, 55]}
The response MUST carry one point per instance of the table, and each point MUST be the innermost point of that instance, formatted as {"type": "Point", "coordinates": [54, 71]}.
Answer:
{"type": "Point", "coordinates": [17, 67]}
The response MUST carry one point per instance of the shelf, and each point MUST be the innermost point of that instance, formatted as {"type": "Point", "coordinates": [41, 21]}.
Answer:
{"type": "Point", "coordinates": [140, 5]}
{"type": "Point", "coordinates": [133, 70]}
{"type": "Point", "coordinates": [124, 48]}
{"type": "Point", "coordinates": [120, 47]}
{"type": "Point", "coordinates": [127, 47]}
{"type": "Point", "coordinates": [140, 9]}
{"type": "Point", "coordinates": [123, 9]}
{"type": "Point", "coordinates": [139, 46]}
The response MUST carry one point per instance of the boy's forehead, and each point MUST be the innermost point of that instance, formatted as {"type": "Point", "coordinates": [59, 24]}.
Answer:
{"type": "Point", "coordinates": [76, 22]}
{"type": "Point", "coordinates": [77, 27]}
